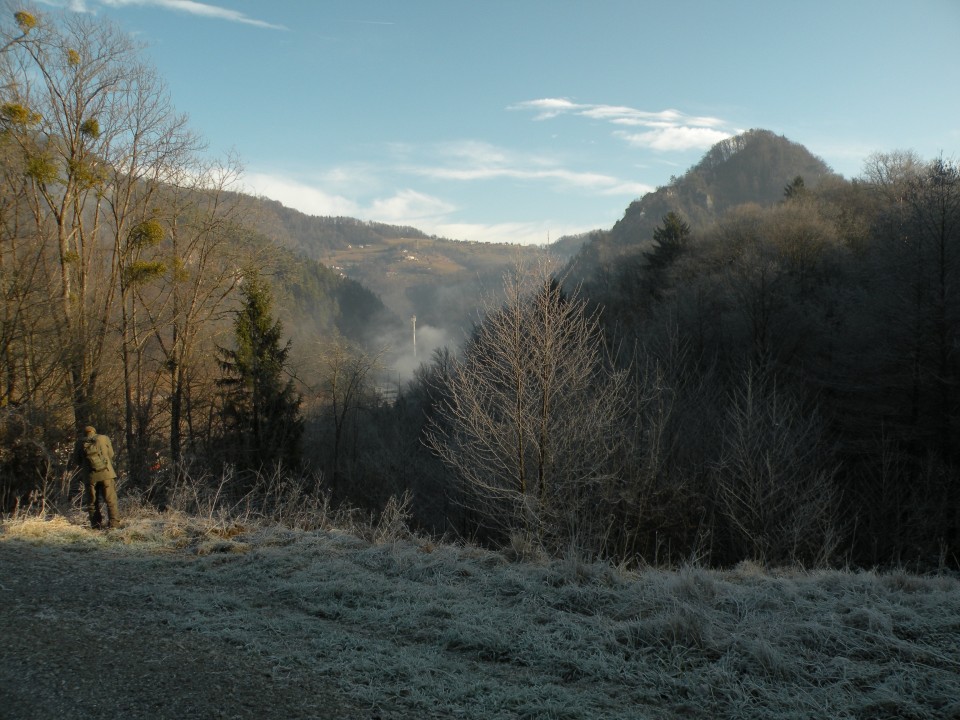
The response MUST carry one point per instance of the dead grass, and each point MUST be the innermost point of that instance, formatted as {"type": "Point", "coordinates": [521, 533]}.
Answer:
{"type": "Point", "coordinates": [421, 627]}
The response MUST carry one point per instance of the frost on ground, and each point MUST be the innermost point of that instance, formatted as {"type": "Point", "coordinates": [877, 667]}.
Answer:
{"type": "Point", "coordinates": [413, 629]}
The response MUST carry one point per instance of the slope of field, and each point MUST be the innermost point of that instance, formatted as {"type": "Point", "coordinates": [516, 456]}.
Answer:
{"type": "Point", "coordinates": [441, 281]}
{"type": "Point", "coordinates": [173, 617]}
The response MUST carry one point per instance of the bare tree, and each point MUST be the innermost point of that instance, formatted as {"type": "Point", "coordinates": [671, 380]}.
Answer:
{"type": "Point", "coordinates": [345, 388]}
{"type": "Point", "coordinates": [96, 135]}
{"type": "Point", "coordinates": [28, 359]}
{"type": "Point", "coordinates": [775, 477]}
{"type": "Point", "coordinates": [194, 267]}
{"type": "Point", "coordinates": [533, 420]}
{"type": "Point", "coordinates": [754, 278]}
{"type": "Point", "coordinates": [935, 210]}
{"type": "Point", "coordinates": [915, 303]}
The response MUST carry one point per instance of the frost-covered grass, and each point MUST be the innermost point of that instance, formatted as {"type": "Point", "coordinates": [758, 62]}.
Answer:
{"type": "Point", "coordinates": [454, 631]}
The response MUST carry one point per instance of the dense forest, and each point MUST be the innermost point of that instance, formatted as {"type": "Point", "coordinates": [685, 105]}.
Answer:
{"type": "Point", "coordinates": [758, 361]}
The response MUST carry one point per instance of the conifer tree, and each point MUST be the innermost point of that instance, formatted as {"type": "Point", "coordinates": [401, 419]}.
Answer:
{"type": "Point", "coordinates": [669, 242]}
{"type": "Point", "coordinates": [797, 189]}
{"type": "Point", "coordinates": [261, 411]}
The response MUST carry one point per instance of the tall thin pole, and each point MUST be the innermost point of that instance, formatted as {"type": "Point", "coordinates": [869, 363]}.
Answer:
{"type": "Point", "coordinates": [413, 321]}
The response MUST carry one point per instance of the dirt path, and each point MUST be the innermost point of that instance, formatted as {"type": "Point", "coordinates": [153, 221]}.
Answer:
{"type": "Point", "coordinates": [83, 640]}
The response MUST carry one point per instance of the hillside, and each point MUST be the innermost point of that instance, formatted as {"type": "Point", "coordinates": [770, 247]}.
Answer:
{"type": "Point", "coordinates": [437, 279]}
{"type": "Point", "coordinates": [753, 167]}
{"type": "Point", "coordinates": [174, 616]}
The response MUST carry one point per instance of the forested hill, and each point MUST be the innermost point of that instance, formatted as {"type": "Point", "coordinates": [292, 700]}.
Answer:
{"type": "Point", "coordinates": [438, 280]}
{"type": "Point", "coordinates": [318, 236]}
{"type": "Point", "coordinates": [753, 167]}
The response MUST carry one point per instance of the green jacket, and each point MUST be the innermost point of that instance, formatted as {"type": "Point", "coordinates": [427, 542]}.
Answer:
{"type": "Point", "coordinates": [92, 446]}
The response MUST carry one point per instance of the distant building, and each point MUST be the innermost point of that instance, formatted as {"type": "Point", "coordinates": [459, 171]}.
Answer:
{"type": "Point", "coordinates": [386, 394]}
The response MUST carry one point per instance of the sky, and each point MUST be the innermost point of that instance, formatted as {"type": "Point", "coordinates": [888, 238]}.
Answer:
{"type": "Point", "coordinates": [525, 120]}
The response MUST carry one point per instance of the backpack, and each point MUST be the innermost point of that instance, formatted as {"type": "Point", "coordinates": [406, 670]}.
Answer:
{"type": "Point", "coordinates": [97, 459]}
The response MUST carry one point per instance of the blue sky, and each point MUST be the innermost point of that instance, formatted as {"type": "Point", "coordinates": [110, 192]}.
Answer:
{"type": "Point", "coordinates": [519, 120]}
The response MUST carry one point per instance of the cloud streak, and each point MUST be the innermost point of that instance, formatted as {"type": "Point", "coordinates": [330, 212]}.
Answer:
{"type": "Point", "coordinates": [409, 207]}
{"type": "Point", "coordinates": [475, 161]}
{"type": "Point", "coordinates": [198, 9]}
{"type": "Point", "coordinates": [300, 196]}
{"type": "Point", "coordinates": [669, 139]}
{"type": "Point", "coordinates": [665, 130]}
{"type": "Point", "coordinates": [412, 184]}
{"type": "Point", "coordinates": [402, 207]}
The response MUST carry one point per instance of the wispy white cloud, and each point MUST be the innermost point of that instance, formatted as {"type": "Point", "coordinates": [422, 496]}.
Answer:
{"type": "Point", "coordinates": [300, 196]}
{"type": "Point", "coordinates": [401, 207]}
{"type": "Point", "coordinates": [409, 207]}
{"type": "Point", "coordinates": [547, 108]}
{"type": "Point", "coordinates": [631, 189]}
{"type": "Point", "coordinates": [488, 172]}
{"type": "Point", "coordinates": [675, 138]}
{"type": "Point", "coordinates": [666, 130]}
{"type": "Point", "coordinates": [472, 160]}
{"type": "Point", "coordinates": [194, 8]}
{"type": "Point", "coordinates": [78, 6]}
{"type": "Point", "coordinates": [413, 184]}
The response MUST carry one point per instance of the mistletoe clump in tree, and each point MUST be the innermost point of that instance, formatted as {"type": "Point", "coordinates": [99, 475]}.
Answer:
{"type": "Point", "coordinates": [262, 424]}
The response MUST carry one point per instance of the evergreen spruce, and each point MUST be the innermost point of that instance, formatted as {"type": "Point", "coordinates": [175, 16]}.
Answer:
{"type": "Point", "coordinates": [261, 411]}
{"type": "Point", "coordinates": [669, 243]}
{"type": "Point", "coordinates": [670, 240]}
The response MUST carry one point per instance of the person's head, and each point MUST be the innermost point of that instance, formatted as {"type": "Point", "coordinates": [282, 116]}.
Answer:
{"type": "Point", "coordinates": [90, 430]}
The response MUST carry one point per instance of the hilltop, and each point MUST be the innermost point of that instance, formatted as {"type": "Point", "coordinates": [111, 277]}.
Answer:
{"type": "Point", "coordinates": [753, 167]}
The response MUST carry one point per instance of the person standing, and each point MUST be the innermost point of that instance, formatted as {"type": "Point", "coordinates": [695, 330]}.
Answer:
{"type": "Point", "coordinates": [97, 461]}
